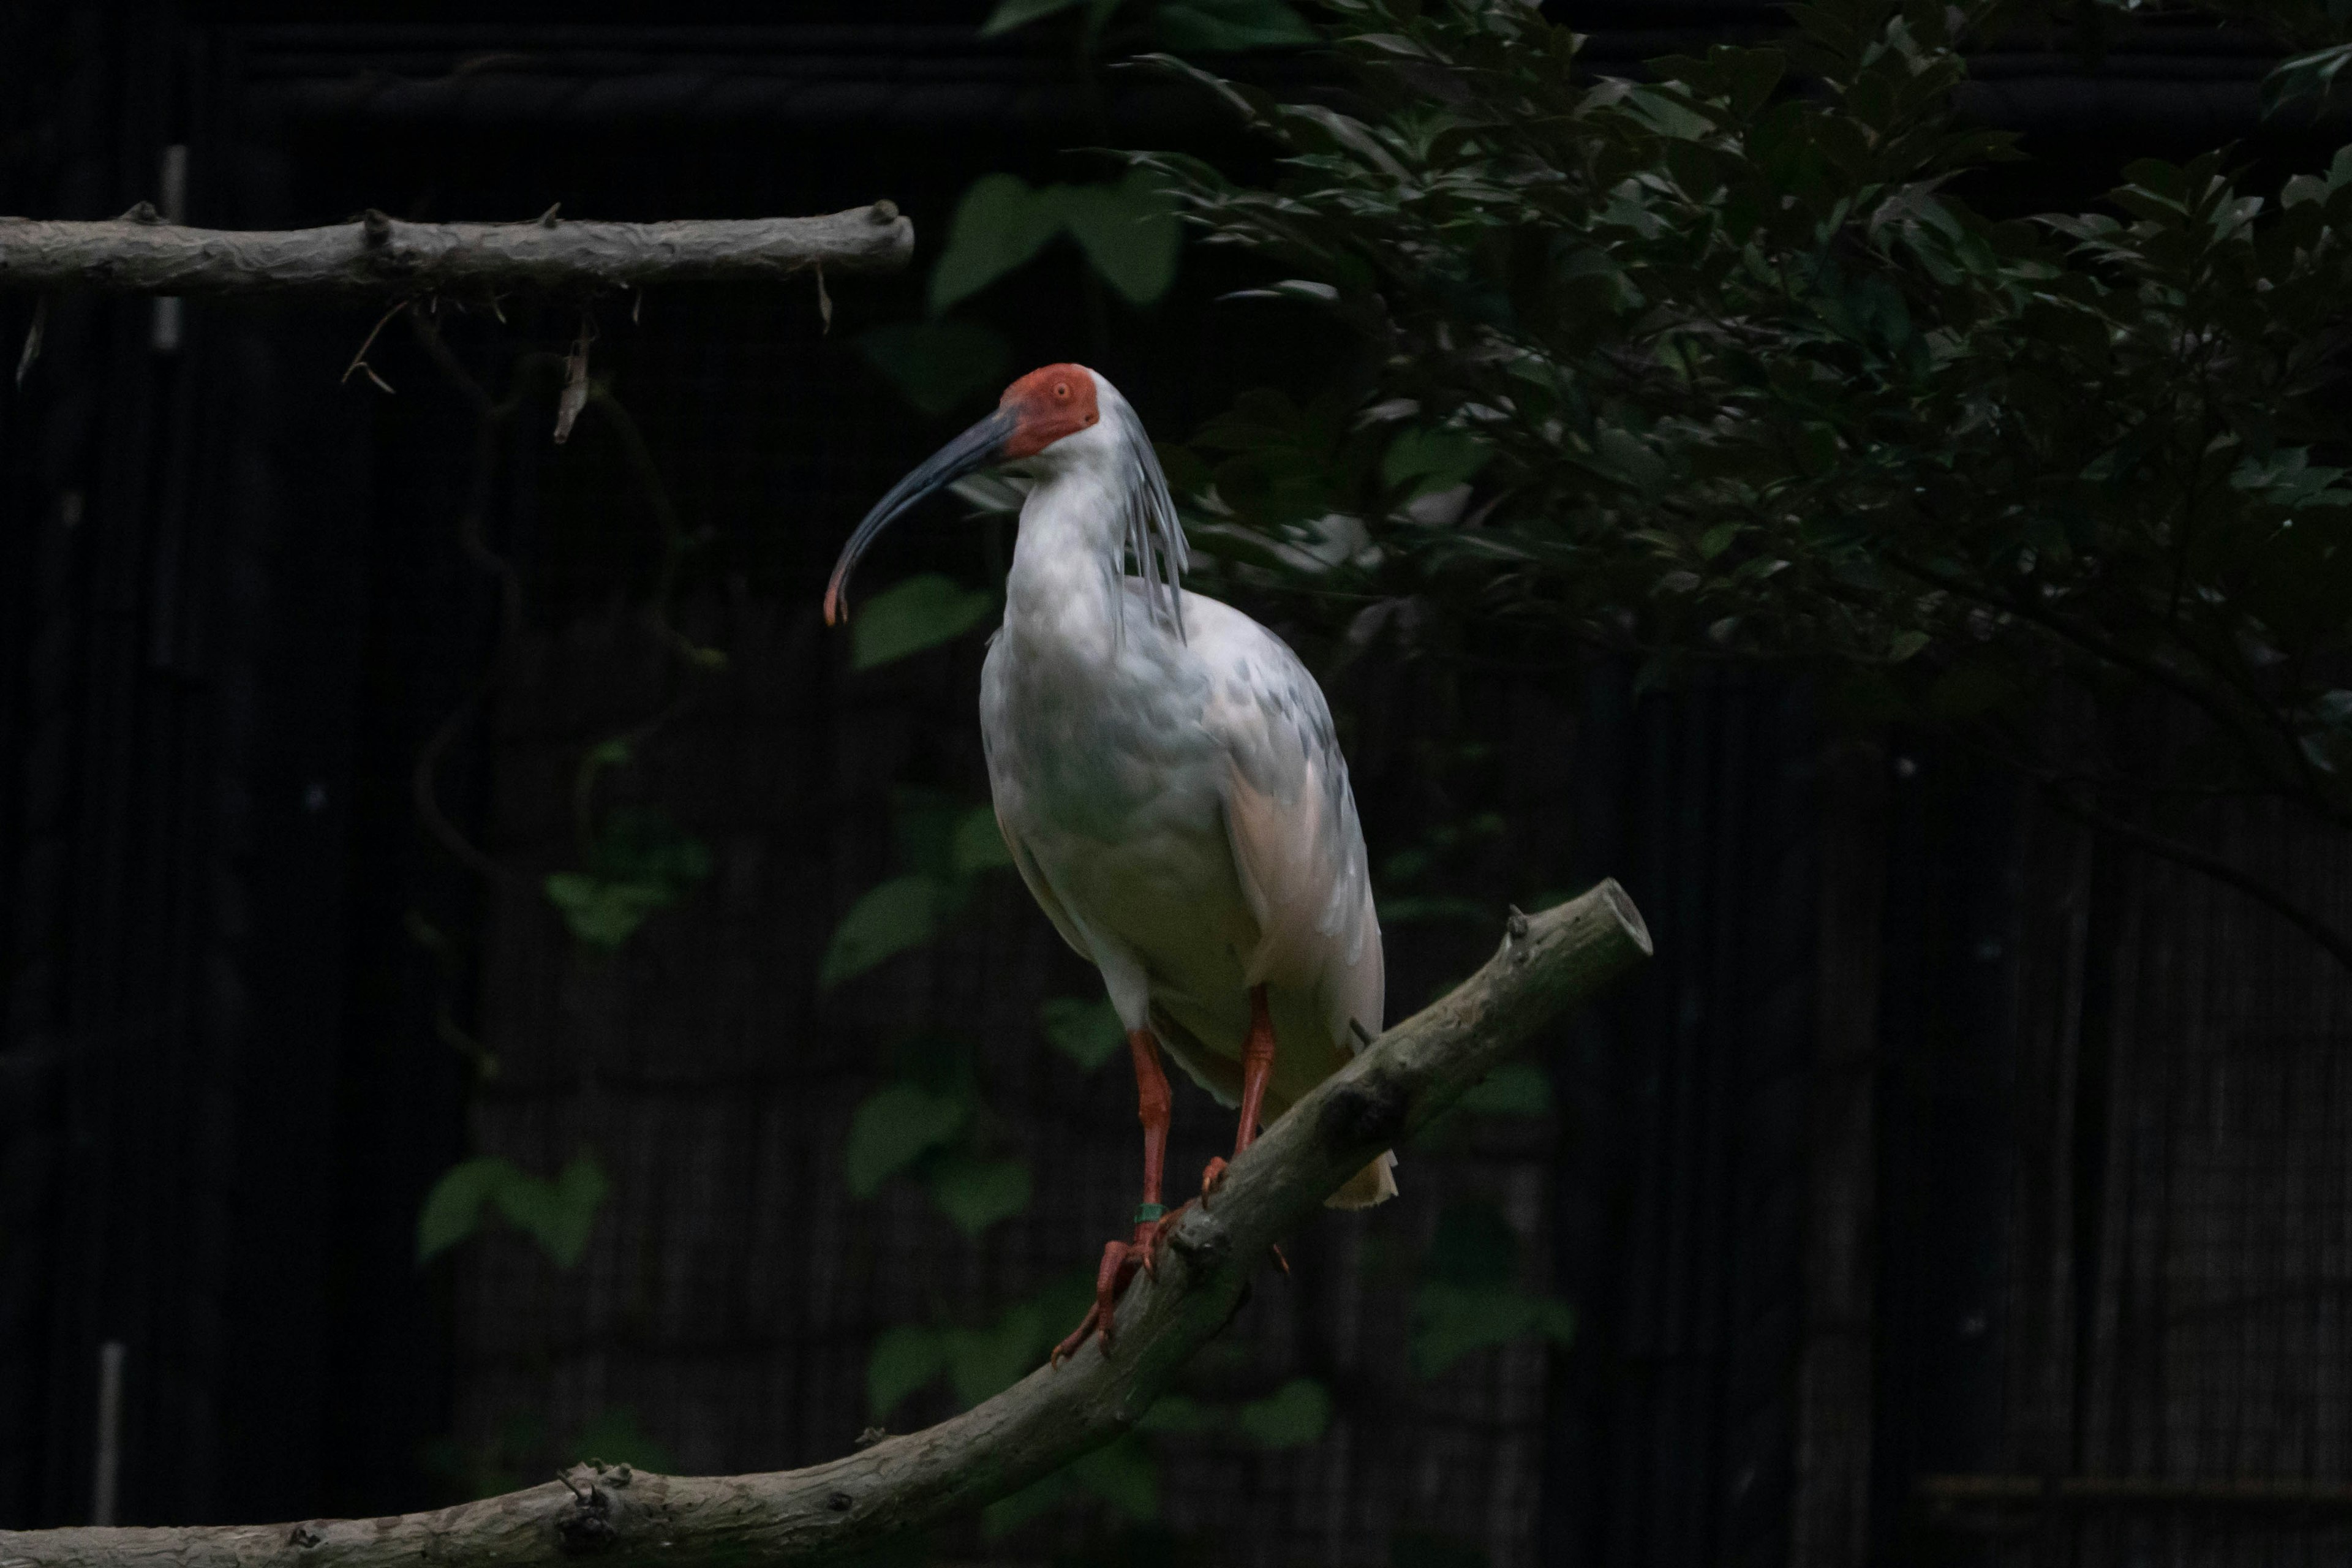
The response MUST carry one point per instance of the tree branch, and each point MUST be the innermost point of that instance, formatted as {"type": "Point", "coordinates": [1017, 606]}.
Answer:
{"type": "Point", "coordinates": [1547, 963]}
{"type": "Point", "coordinates": [137, 254]}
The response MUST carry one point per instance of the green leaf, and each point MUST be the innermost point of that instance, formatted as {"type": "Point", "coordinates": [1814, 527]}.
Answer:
{"type": "Point", "coordinates": [614, 1438]}
{"type": "Point", "coordinates": [893, 1128]}
{"type": "Point", "coordinates": [1014, 13]}
{"type": "Point", "coordinates": [1515, 1089]}
{"type": "Point", "coordinates": [1467, 1301]}
{"type": "Point", "coordinates": [602, 914]}
{"type": "Point", "coordinates": [643, 844]}
{"type": "Point", "coordinates": [1449, 1321]}
{"type": "Point", "coordinates": [977, 1193]}
{"type": "Point", "coordinates": [1123, 1474]}
{"type": "Point", "coordinates": [907, 617]}
{"type": "Point", "coordinates": [925, 823]}
{"type": "Point", "coordinates": [984, 1362]}
{"type": "Point", "coordinates": [980, 843]}
{"type": "Point", "coordinates": [1223, 27]}
{"type": "Point", "coordinates": [903, 1360]}
{"type": "Point", "coordinates": [1128, 232]}
{"type": "Point", "coordinates": [1008, 1514]}
{"type": "Point", "coordinates": [886, 921]}
{"type": "Point", "coordinates": [935, 365]}
{"type": "Point", "coordinates": [1433, 460]}
{"type": "Point", "coordinates": [1176, 1413]}
{"type": "Point", "coordinates": [452, 1209]}
{"type": "Point", "coordinates": [1292, 1417]}
{"type": "Point", "coordinates": [559, 1214]}
{"type": "Point", "coordinates": [1000, 224]}
{"type": "Point", "coordinates": [556, 1213]}
{"type": "Point", "coordinates": [1089, 1032]}
{"type": "Point", "coordinates": [2305, 75]}
{"type": "Point", "coordinates": [640, 862]}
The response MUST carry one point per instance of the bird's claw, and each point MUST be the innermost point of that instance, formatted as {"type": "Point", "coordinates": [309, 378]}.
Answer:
{"type": "Point", "coordinates": [1120, 1259]}
{"type": "Point", "coordinates": [1070, 1347]}
{"type": "Point", "coordinates": [1213, 1176]}
{"type": "Point", "coordinates": [1157, 1238]}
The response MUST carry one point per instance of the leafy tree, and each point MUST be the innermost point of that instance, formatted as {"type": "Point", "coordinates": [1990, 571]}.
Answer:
{"type": "Point", "coordinates": [1720, 365]}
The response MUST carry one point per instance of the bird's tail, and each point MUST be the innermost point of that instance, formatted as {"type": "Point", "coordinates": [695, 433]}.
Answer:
{"type": "Point", "coordinates": [1375, 1183]}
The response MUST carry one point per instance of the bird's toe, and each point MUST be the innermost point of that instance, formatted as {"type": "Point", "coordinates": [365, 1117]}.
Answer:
{"type": "Point", "coordinates": [1213, 1176]}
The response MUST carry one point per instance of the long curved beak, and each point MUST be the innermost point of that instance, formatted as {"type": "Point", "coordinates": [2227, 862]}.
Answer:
{"type": "Point", "coordinates": [976, 448]}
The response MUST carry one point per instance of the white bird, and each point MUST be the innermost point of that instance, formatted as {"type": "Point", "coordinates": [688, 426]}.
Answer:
{"type": "Point", "coordinates": [1166, 776]}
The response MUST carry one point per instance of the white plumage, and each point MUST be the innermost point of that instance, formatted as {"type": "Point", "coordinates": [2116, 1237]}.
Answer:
{"type": "Point", "coordinates": [1166, 775]}
{"type": "Point", "coordinates": [1178, 805]}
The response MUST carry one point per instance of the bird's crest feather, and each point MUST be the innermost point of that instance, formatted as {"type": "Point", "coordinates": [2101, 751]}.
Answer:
{"type": "Point", "coordinates": [1154, 538]}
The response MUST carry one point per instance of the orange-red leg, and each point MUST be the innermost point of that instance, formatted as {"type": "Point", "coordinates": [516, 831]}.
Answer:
{"type": "Point", "coordinates": [1120, 1259]}
{"type": "Point", "coordinates": [1258, 1067]}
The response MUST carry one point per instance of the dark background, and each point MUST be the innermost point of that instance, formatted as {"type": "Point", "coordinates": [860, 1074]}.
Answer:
{"type": "Point", "coordinates": [1939, 1141]}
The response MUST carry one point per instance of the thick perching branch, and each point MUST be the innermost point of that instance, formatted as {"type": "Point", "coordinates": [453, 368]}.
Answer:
{"type": "Point", "coordinates": [1547, 963]}
{"type": "Point", "coordinates": [138, 254]}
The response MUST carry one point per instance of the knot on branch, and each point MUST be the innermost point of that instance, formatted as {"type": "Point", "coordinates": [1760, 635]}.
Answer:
{"type": "Point", "coordinates": [1369, 1111]}
{"type": "Point", "coordinates": [587, 1527]}
{"type": "Point", "coordinates": [302, 1538]}
{"type": "Point", "coordinates": [1201, 1240]}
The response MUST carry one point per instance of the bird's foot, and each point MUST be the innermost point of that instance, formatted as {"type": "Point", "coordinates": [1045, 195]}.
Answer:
{"type": "Point", "coordinates": [1213, 1176]}
{"type": "Point", "coordinates": [1120, 1259]}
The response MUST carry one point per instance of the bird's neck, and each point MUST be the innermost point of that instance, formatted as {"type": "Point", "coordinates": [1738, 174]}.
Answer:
{"type": "Point", "coordinates": [1065, 589]}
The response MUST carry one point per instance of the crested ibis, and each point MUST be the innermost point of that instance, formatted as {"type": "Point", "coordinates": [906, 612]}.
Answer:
{"type": "Point", "coordinates": [1166, 776]}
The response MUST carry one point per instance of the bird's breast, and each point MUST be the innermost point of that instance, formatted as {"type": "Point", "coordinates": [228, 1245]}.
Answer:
{"type": "Point", "coordinates": [1105, 773]}
{"type": "Point", "coordinates": [1101, 743]}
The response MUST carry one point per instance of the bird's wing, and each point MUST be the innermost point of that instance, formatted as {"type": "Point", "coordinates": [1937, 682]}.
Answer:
{"type": "Point", "coordinates": [1040, 889]}
{"type": "Point", "coordinates": [1023, 860]}
{"type": "Point", "coordinates": [1298, 849]}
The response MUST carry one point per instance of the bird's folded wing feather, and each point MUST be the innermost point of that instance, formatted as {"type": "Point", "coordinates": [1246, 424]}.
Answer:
{"type": "Point", "coordinates": [1297, 847]}
{"type": "Point", "coordinates": [1026, 864]}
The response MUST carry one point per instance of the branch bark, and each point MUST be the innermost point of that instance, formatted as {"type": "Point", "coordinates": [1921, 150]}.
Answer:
{"type": "Point", "coordinates": [139, 254]}
{"type": "Point", "coordinates": [1547, 963]}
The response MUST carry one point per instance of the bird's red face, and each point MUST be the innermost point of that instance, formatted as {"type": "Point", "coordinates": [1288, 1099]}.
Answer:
{"type": "Point", "coordinates": [1036, 411]}
{"type": "Point", "coordinates": [1047, 405]}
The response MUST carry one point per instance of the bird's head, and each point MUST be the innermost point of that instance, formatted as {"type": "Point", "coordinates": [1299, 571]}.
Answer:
{"type": "Point", "coordinates": [1047, 407]}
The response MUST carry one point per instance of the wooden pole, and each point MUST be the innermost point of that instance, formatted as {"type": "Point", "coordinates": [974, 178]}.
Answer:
{"type": "Point", "coordinates": [141, 253]}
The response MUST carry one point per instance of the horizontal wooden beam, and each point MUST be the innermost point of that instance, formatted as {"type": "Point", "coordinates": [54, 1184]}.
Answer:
{"type": "Point", "coordinates": [139, 254]}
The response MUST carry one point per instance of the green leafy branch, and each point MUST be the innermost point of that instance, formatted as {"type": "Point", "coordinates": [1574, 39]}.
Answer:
{"type": "Point", "coordinates": [558, 1212]}
{"type": "Point", "coordinates": [931, 1124]}
{"type": "Point", "coordinates": [1205, 26]}
{"type": "Point", "coordinates": [948, 846]}
{"type": "Point", "coordinates": [1717, 364]}
{"type": "Point", "coordinates": [1125, 229]}
{"type": "Point", "coordinates": [639, 861]}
